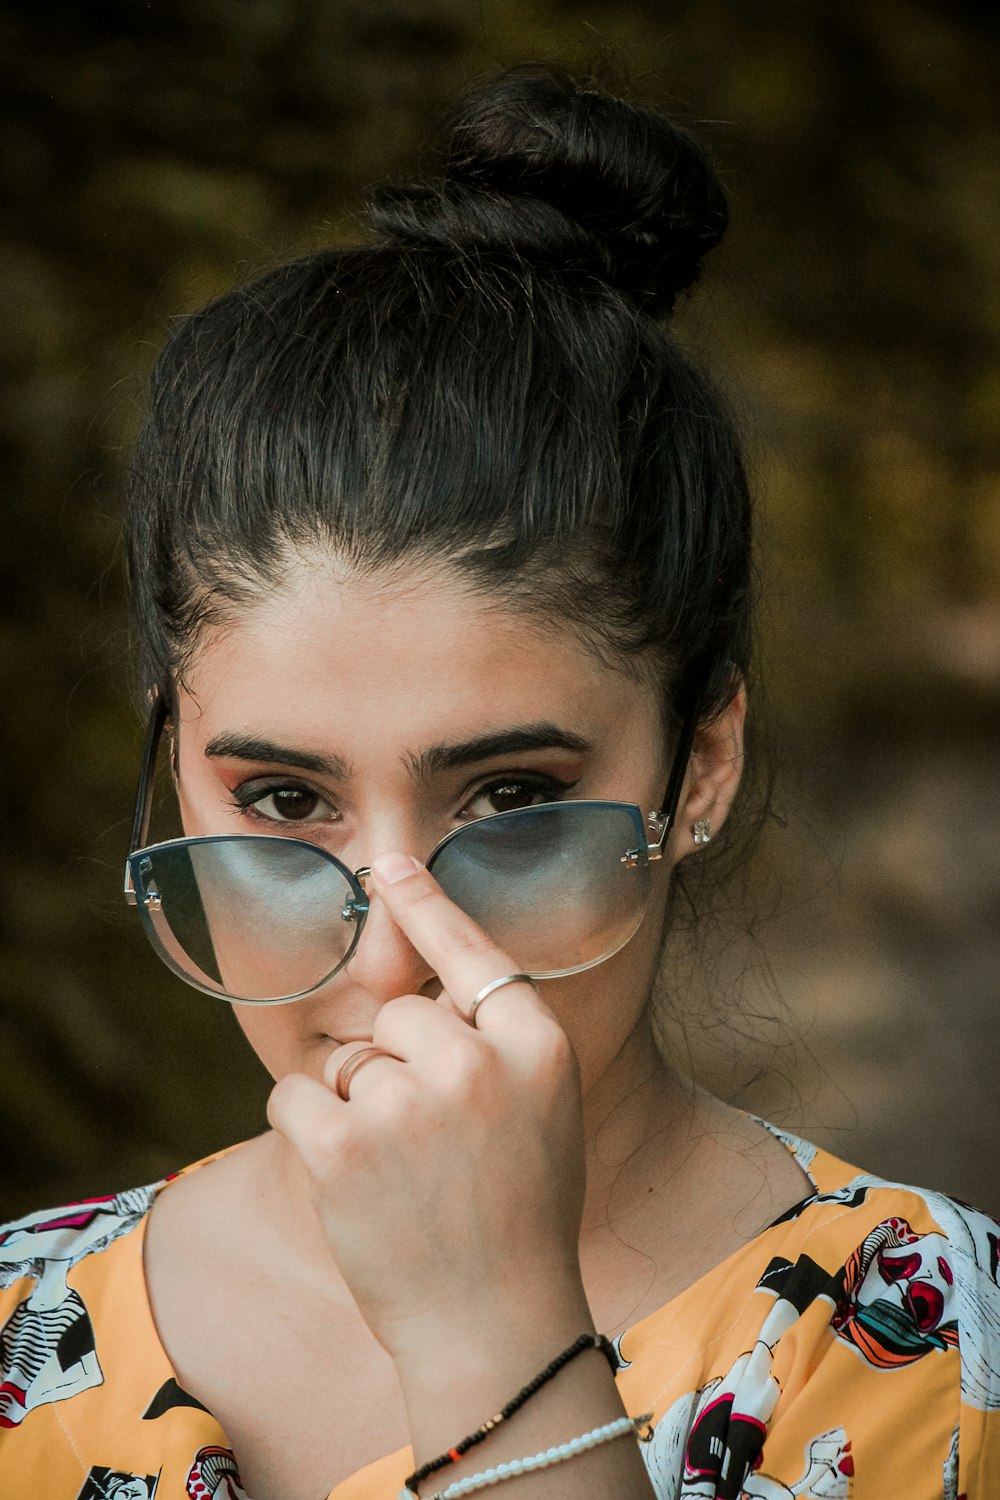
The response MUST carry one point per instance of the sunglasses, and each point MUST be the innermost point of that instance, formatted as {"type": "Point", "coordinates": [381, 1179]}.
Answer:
{"type": "Point", "coordinates": [264, 919]}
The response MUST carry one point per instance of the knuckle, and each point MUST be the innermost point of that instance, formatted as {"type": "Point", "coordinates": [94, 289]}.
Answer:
{"type": "Point", "coordinates": [553, 1049]}
{"type": "Point", "coordinates": [390, 1112]}
{"type": "Point", "coordinates": [327, 1143]}
{"type": "Point", "coordinates": [288, 1100]}
{"type": "Point", "coordinates": [461, 1065]}
{"type": "Point", "coordinates": [392, 1015]}
{"type": "Point", "coordinates": [341, 1153]}
{"type": "Point", "coordinates": [403, 1006]}
{"type": "Point", "coordinates": [466, 1055]}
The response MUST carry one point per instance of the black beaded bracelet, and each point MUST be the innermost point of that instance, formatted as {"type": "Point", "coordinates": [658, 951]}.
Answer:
{"type": "Point", "coordinates": [585, 1341]}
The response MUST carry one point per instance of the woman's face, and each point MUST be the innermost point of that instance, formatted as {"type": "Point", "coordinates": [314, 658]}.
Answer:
{"type": "Point", "coordinates": [354, 712]}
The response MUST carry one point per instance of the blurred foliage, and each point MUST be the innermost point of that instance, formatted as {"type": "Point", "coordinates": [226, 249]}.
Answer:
{"type": "Point", "coordinates": [150, 154]}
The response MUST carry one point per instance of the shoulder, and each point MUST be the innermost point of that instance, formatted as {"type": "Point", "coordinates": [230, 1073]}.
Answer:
{"type": "Point", "coordinates": [912, 1271]}
{"type": "Point", "coordinates": [74, 1232]}
{"type": "Point", "coordinates": [84, 1379]}
{"type": "Point", "coordinates": [854, 1343]}
{"type": "Point", "coordinates": [847, 1197]}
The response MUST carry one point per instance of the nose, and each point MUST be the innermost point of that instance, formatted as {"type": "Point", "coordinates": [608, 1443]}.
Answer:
{"type": "Point", "coordinates": [385, 964]}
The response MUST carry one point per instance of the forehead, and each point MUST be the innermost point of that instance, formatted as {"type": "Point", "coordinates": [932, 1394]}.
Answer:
{"type": "Point", "coordinates": [404, 650]}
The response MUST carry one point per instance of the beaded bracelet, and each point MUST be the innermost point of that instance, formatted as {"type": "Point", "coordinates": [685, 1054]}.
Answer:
{"type": "Point", "coordinates": [585, 1341]}
{"type": "Point", "coordinates": [548, 1456]}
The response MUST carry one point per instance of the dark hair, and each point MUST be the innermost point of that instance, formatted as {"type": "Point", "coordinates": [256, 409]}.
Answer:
{"type": "Point", "coordinates": [489, 384]}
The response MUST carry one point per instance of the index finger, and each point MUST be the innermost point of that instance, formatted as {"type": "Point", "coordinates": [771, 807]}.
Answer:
{"type": "Point", "coordinates": [465, 958]}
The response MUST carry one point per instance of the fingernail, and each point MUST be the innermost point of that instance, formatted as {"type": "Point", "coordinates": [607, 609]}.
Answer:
{"type": "Point", "coordinates": [395, 867]}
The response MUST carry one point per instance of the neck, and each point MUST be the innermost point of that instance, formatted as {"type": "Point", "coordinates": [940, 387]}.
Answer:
{"type": "Point", "coordinates": [638, 1120]}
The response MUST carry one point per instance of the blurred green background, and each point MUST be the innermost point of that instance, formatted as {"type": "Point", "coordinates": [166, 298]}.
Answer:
{"type": "Point", "coordinates": [149, 155]}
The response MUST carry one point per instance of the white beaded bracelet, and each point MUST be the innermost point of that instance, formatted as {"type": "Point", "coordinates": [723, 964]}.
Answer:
{"type": "Point", "coordinates": [557, 1455]}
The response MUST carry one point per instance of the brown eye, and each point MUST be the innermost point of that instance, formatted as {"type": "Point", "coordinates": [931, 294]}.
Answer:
{"type": "Point", "coordinates": [293, 802]}
{"type": "Point", "coordinates": [289, 804]}
{"type": "Point", "coordinates": [512, 795]}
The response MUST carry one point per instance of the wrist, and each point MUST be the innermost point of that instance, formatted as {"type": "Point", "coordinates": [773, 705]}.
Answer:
{"type": "Point", "coordinates": [583, 1344]}
{"type": "Point", "coordinates": [507, 1409]}
{"type": "Point", "coordinates": [489, 1344]}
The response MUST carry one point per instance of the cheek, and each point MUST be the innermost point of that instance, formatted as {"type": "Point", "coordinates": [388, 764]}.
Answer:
{"type": "Point", "coordinates": [600, 1008]}
{"type": "Point", "coordinates": [276, 1036]}
{"type": "Point", "coordinates": [262, 1038]}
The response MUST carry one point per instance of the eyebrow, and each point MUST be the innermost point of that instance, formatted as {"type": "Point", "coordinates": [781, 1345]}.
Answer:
{"type": "Point", "coordinates": [520, 737]}
{"type": "Point", "coordinates": [244, 747]}
{"type": "Point", "coordinates": [432, 761]}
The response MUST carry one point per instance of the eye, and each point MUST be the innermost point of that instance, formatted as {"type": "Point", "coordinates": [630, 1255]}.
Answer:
{"type": "Point", "coordinates": [282, 804]}
{"type": "Point", "coordinates": [512, 793]}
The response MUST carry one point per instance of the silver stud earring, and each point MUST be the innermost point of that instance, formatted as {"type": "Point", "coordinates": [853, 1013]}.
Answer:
{"type": "Point", "coordinates": [702, 831]}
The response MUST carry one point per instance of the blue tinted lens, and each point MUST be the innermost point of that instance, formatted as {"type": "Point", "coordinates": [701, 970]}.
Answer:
{"type": "Point", "coordinates": [548, 883]}
{"type": "Point", "coordinates": [256, 919]}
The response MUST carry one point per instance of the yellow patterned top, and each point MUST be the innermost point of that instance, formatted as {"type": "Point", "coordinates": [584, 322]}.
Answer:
{"type": "Point", "coordinates": [850, 1351]}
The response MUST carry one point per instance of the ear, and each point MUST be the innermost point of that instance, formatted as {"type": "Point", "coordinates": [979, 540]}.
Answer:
{"type": "Point", "coordinates": [713, 775]}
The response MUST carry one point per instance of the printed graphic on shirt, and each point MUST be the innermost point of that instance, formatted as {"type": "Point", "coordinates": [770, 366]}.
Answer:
{"type": "Point", "coordinates": [714, 1436]}
{"type": "Point", "coordinates": [967, 1242]}
{"type": "Point", "coordinates": [946, 1278]}
{"type": "Point", "coordinates": [116, 1484]}
{"type": "Point", "coordinates": [899, 1301]}
{"type": "Point", "coordinates": [723, 1457]}
{"type": "Point", "coordinates": [46, 1354]}
{"type": "Point", "coordinates": [950, 1476]}
{"type": "Point", "coordinates": [826, 1475]}
{"type": "Point", "coordinates": [214, 1476]}
{"type": "Point", "coordinates": [168, 1398]}
{"type": "Point", "coordinates": [47, 1346]}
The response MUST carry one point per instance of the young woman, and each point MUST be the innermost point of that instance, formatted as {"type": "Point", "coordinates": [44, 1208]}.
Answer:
{"type": "Point", "coordinates": [441, 556]}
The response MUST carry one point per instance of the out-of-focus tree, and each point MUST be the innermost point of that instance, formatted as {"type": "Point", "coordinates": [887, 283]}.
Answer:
{"type": "Point", "coordinates": [150, 155]}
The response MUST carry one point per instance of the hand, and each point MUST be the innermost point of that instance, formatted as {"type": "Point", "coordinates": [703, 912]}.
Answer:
{"type": "Point", "coordinates": [450, 1186]}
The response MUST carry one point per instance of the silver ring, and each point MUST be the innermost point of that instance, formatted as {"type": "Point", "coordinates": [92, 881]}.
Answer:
{"type": "Point", "coordinates": [497, 984]}
{"type": "Point", "coordinates": [352, 1062]}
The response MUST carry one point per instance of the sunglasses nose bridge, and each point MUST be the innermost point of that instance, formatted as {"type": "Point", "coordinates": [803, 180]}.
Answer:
{"type": "Point", "coordinates": [354, 910]}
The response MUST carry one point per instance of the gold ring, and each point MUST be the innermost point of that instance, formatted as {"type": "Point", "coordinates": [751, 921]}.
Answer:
{"type": "Point", "coordinates": [352, 1062]}
{"type": "Point", "coordinates": [493, 986]}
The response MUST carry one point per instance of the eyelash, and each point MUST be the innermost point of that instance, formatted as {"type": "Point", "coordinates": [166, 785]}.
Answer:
{"type": "Point", "coordinates": [549, 788]}
{"type": "Point", "coordinates": [246, 798]}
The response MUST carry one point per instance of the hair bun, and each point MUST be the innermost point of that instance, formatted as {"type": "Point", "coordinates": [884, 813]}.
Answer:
{"type": "Point", "coordinates": [555, 169]}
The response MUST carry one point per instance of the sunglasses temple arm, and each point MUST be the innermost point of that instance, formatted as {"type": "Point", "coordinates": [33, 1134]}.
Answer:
{"type": "Point", "coordinates": [144, 792]}
{"type": "Point", "coordinates": [678, 771]}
